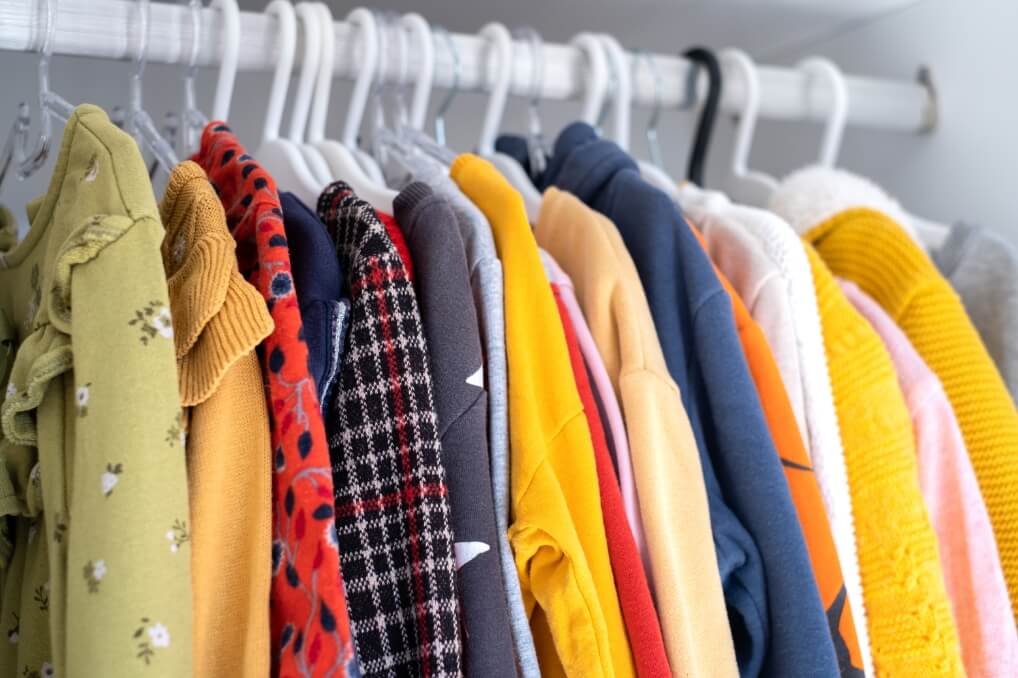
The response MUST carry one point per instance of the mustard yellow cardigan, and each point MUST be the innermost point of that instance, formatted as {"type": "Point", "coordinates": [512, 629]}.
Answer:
{"type": "Point", "coordinates": [912, 631]}
{"type": "Point", "coordinates": [871, 250]}
{"type": "Point", "coordinates": [218, 320]}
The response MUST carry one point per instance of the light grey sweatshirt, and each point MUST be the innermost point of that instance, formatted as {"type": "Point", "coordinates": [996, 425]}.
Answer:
{"type": "Point", "coordinates": [983, 269]}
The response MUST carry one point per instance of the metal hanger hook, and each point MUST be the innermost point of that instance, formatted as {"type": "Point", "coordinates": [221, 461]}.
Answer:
{"type": "Point", "coordinates": [30, 162]}
{"type": "Point", "coordinates": [381, 83]}
{"type": "Point", "coordinates": [192, 119]}
{"type": "Point", "coordinates": [653, 145]}
{"type": "Point", "coordinates": [395, 28]}
{"type": "Point", "coordinates": [535, 136]}
{"type": "Point", "coordinates": [51, 105]}
{"type": "Point", "coordinates": [141, 56]}
{"type": "Point", "coordinates": [457, 74]}
{"type": "Point", "coordinates": [535, 45]}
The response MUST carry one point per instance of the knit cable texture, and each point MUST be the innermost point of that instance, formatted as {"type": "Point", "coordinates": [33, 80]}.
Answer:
{"type": "Point", "coordinates": [911, 629]}
{"type": "Point", "coordinates": [870, 249]}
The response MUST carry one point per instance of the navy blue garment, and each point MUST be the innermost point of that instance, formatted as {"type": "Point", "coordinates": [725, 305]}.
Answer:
{"type": "Point", "coordinates": [318, 282]}
{"type": "Point", "coordinates": [778, 622]}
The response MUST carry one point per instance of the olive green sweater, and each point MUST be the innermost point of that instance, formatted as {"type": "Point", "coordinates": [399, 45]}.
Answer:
{"type": "Point", "coordinates": [95, 564]}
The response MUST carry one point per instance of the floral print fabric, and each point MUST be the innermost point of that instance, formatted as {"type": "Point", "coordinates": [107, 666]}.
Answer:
{"type": "Point", "coordinates": [90, 484]}
{"type": "Point", "coordinates": [310, 627]}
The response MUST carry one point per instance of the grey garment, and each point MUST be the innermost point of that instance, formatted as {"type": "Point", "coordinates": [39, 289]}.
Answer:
{"type": "Point", "coordinates": [457, 369]}
{"type": "Point", "coordinates": [983, 269]}
{"type": "Point", "coordinates": [486, 283]}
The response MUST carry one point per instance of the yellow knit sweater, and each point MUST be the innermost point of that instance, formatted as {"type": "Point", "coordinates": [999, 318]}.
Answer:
{"type": "Point", "coordinates": [912, 632]}
{"type": "Point", "coordinates": [218, 320]}
{"type": "Point", "coordinates": [868, 248]}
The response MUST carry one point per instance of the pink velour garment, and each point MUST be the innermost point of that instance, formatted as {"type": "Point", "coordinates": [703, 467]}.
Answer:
{"type": "Point", "coordinates": [968, 550]}
{"type": "Point", "coordinates": [603, 386]}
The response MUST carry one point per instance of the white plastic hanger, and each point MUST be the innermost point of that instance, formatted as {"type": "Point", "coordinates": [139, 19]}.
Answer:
{"type": "Point", "coordinates": [596, 77]}
{"type": "Point", "coordinates": [623, 96]}
{"type": "Point", "coordinates": [368, 31]}
{"type": "Point", "coordinates": [365, 156]}
{"type": "Point", "coordinates": [393, 146]}
{"type": "Point", "coordinates": [310, 19]}
{"type": "Point", "coordinates": [424, 56]}
{"type": "Point", "coordinates": [501, 46]}
{"type": "Point", "coordinates": [819, 68]}
{"type": "Point", "coordinates": [929, 234]}
{"type": "Point", "coordinates": [415, 135]}
{"type": "Point", "coordinates": [745, 185]}
{"type": "Point", "coordinates": [341, 162]}
{"type": "Point", "coordinates": [231, 55]}
{"type": "Point", "coordinates": [282, 157]}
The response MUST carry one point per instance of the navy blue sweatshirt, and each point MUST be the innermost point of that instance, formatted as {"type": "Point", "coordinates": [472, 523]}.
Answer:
{"type": "Point", "coordinates": [778, 622]}
{"type": "Point", "coordinates": [318, 282]}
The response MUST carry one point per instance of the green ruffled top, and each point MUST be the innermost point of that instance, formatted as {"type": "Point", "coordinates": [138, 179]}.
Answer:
{"type": "Point", "coordinates": [94, 553]}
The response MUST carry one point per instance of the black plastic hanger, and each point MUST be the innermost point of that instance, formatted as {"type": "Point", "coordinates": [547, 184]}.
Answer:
{"type": "Point", "coordinates": [708, 114]}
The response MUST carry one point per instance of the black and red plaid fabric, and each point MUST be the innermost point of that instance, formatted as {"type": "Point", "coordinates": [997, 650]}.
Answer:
{"type": "Point", "coordinates": [392, 508]}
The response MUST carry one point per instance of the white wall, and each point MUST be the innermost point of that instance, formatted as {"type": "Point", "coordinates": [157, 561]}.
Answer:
{"type": "Point", "coordinates": [964, 170]}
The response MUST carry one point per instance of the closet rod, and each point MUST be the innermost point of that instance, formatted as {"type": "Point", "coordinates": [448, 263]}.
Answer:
{"type": "Point", "coordinates": [107, 29]}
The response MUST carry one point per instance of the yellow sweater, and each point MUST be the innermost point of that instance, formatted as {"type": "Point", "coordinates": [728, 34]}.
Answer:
{"type": "Point", "coordinates": [556, 528]}
{"type": "Point", "coordinates": [912, 632]}
{"type": "Point", "coordinates": [218, 320]}
{"type": "Point", "coordinates": [868, 248]}
{"type": "Point", "coordinates": [669, 480]}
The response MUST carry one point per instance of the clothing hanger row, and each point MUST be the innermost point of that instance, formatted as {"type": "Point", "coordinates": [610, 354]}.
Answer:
{"type": "Point", "coordinates": [306, 159]}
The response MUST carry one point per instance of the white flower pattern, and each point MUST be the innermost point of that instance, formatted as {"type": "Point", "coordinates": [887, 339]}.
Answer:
{"type": "Point", "coordinates": [178, 535]}
{"type": "Point", "coordinates": [94, 573]}
{"type": "Point", "coordinates": [159, 635]}
{"type": "Point", "coordinates": [153, 320]}
{"type": "Point", "coordinates": [110, 478]}
{"type": "Point", "coordinates": [81, 399]}
{"type": "Point", "coordinates": [11, 390]}
{"type": "Point", "coordinates": [47, 670]}
{"type": "Point", "coordinates": [163, 323]}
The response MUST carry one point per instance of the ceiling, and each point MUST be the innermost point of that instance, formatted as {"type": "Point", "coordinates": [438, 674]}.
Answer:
{"type": "Point", "coordinates": [764, 28]}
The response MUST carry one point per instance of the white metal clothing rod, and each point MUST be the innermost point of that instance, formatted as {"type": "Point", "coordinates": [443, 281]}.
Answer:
{"type": "Point", "coordinates": [107, 29]}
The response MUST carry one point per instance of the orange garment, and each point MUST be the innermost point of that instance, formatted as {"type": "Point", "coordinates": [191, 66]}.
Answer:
{"type": "Point", "coordinates": [799, 473]}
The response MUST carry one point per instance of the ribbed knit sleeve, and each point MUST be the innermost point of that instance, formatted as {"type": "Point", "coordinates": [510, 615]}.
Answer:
{"type": "Point", "coordinates": [870, 249]}
{"type": "Point", "coordinates": [911, 628]}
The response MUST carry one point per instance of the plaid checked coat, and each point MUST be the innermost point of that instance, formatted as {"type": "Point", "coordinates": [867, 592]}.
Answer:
{"type": "Point", "coordinates": [392, 508]}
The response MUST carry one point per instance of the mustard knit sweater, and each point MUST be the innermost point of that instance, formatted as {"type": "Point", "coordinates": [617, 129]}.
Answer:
{"type": "Point", "coordinates": [218, 320]}
{"type": "Point", "coordinates": [912, 632]}
{"type": "Point", "coordinates": [871, 250]}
